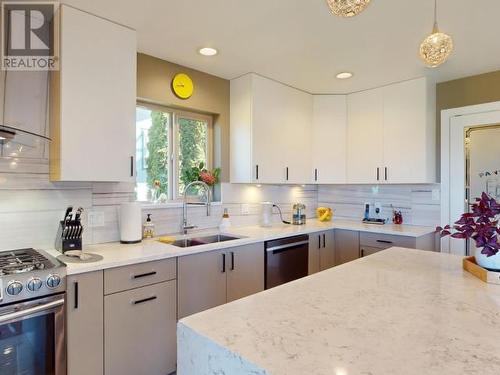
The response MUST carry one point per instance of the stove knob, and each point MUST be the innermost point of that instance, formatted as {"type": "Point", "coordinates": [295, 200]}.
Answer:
{"type": "Point", "coordinates": [14, 288]}
{"type": "Point", "coordinates": [34, 284]}
{"type": "Point", "coordinates": [53, 281]}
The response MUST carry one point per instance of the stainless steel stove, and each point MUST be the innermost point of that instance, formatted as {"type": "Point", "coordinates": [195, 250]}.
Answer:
{"type": "Point", "coordinates": [32, 313]}
{"type": "Point", "coordinates": [29, 273]}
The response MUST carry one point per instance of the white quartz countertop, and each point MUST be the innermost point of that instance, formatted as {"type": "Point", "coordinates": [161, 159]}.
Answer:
{"type": "Point", "coordinates": [399, 311]}
{"type": "Point", "coordinates": [116, 254]}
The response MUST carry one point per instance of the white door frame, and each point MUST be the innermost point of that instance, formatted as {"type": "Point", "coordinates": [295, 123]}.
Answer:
{"type": "Point", "coordinates": [449, 127]}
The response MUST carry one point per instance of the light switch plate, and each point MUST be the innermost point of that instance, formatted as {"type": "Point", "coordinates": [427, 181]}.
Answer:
{"type": "Point", "coordinates": [245, 209]}
{"type": "Point", "coordinates": [96, 219]}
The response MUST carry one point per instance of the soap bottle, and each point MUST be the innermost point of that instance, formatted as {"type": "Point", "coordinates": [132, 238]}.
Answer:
{"type": "Point", "coordinates": [149, 228]}
{"type": "Point", "coordinates": [225, 222]}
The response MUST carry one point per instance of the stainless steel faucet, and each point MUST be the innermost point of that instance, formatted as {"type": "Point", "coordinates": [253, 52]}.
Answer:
{"type": "Point", "coordinates": [185, 226]}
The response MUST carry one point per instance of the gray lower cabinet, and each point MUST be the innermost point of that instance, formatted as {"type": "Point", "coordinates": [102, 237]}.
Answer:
{"type": "Point", "coordinates": [246, 271]}
{"type": "Point", "coordinates": [84, 326]}
{"type": "Point", "coordinates": [213, 278]}
{"type": "Point", "coordinates": [321, 251]}
{"type": "Point", "coordinates": [364, 251]}
{"type": "Point", "coordinates": [346, 246]}
{"type": "Point", "coordinates": [140, 330]}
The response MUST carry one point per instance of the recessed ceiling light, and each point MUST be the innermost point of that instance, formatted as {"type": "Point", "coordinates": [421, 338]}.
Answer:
{"type": "Point", "coordinates": [344, 75]}
{"type": "Point", "coordinates": [208, 51]}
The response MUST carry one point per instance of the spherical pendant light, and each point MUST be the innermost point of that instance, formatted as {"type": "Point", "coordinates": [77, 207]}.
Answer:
{"type": "Point", "coordinates": [347, 8]}
{"type": "Point", "coordinates": [437, 47]}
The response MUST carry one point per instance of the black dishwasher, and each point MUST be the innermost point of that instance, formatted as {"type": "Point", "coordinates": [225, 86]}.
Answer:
{"type": "Point", "coordinates": [286, 260]}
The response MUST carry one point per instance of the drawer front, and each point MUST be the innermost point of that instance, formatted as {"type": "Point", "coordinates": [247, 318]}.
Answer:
{"type": "Point", "coordinates": [139, 275]}
{"type": "Point", "coordinates": [385, 241]}
{"type": "Point", "coordinates": [140, 330]}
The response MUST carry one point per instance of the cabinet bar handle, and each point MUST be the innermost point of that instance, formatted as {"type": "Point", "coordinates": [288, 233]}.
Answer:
{"type": "Point", "coordinates": [287, 173]}
{"type": "Point", "coordinates": [144, 300]}
{"type": "Point", "coordinates": [257, 172]}
{"type": "Point", "coordinates": [152, 273]}
{"type": "Point", "coordinates": [232, 260]}
{"type": "Point", "coordinates": [76, 294]}
{"type": "Point", "coordinates": [315, 175]}
{"type": "Point", "coordinates": [378, 174]}
{"type": "Point", "coordinates": [362, 252]}
{"type": "Point", "coordinates": [131, 166]}
{"type": "Point", "coordinates": [223, 262]}
{"type": "Point", "coordinates": [324, 240]}
{"type": "Point", "coordinates": [386, 173]}
{"type": "Point", "coordinates": [384, 241]}
{"type": "Point", "coordinates": [319, 241]}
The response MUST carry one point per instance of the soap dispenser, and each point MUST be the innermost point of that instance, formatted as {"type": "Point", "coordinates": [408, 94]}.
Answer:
{"type": "Point", "coordinates": [225, 223]}
{"type": "Point", "coordinates": [149, 228]}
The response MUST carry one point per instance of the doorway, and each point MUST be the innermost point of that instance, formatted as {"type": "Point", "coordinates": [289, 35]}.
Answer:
{"type": "Point", "coordinates": [470, 162]}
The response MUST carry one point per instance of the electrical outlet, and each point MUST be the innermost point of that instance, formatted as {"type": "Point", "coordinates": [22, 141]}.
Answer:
{"type": "Point", "coordinates": [96, 219]}
{"type": "Point", "coordinates": [436, 194]}
{"type": "Point", "coordinates": [245, 209]}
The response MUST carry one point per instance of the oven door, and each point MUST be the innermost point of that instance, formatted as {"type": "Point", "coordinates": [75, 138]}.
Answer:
{"type": "Point", "coordinates": [32, 339]}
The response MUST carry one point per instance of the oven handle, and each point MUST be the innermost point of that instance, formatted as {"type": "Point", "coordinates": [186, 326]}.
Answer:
{"type": "Point", "coordinates": [31, 310]}
{"type": "Point", "coordinates": [281, 247]}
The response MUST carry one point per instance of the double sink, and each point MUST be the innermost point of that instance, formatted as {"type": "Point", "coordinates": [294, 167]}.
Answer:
{"type": "Point", "coordinates": [205, 240]}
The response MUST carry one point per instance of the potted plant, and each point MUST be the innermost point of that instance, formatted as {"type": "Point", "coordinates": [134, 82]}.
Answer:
{"type": "Point", "coordinates": [199, 173]}
{"type": "Point", "coordinates": [481, 225]}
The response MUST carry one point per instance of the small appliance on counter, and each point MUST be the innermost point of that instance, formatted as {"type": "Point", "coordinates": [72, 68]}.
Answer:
{"type": "Point", "coordinates": [130, 223]}
{"type": "Point", "coordinates": [373, 220]}
{"type": "Point", "coordinates": [69, 236]}
{"type": "Point", "coordinates": [266, 214]}
{"type": "Point", "coordinates": [299, 214]}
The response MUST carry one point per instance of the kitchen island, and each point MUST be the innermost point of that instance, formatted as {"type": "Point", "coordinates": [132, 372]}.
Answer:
{"type": "Point", "coordinates": [399, 311]}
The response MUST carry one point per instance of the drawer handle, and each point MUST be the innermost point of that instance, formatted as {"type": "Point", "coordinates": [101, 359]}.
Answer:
{"type": "Point", "coordinates": [384, 241]}
{"type": "Point", "coordinates": [152, 273]}
{"type": "Point", "coordinates": [76, 295]}
{"type": "Point", "coordinates": [138, 302]}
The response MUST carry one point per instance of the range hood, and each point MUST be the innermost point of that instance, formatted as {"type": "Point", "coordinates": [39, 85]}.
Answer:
{"type": "Point", "coordinates": [9, 133]}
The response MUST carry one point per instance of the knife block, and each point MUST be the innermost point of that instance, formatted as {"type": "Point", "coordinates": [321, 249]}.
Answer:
{"type": "Point", "coordinates": [67, 239]}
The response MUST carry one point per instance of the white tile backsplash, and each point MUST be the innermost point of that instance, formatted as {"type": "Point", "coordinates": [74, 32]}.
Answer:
{"type": "Point", "coordinates": [31, 205]}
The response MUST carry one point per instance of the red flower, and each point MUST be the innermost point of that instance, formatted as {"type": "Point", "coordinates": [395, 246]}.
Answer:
{"type": "Point", "coordinates": [207, 178]}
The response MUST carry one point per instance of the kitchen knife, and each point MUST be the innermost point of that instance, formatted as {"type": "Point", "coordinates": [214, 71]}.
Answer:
{"type": "Point", "coordinates": [78, 214]}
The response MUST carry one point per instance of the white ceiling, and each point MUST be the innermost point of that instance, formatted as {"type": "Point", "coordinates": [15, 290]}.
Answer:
{"type": "Point", "coordinates": [299, 42]}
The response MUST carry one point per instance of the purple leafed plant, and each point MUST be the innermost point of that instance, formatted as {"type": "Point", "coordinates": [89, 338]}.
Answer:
{"type": "Point", "coordinates": [481, 225]}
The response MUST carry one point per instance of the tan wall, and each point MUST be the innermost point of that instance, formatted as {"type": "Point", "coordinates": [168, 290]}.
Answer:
{"type": "Point", "coordinates": [211, 96]}
{"type": "Point", "coordinates": [478, 89]}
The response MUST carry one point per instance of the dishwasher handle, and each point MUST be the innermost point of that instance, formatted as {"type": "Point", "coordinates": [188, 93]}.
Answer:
{"type": "Point", "coordinates": [279, 248]}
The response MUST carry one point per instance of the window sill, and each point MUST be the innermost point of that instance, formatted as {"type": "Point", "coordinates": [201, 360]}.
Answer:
{"type": "Point", "coordinates": [158, 206]}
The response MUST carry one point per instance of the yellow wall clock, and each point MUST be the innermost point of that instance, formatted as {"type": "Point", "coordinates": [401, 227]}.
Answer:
{"type": "Point", "coordinates": [182, 86]}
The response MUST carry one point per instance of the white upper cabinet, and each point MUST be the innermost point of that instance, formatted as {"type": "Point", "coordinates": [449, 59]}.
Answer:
{"type": "Point", "coordinates": [270, 132]}
{"type": "Point", "coordinates": [365, 137]}
{"type": "Point", "coordinates": [391, 134]}
{"type": "Point", "coordinates": [93, 100]}
{"type": "Point", "coordinates": [329, 139]}
{"type": "Point", "coordinates": [410, 132]}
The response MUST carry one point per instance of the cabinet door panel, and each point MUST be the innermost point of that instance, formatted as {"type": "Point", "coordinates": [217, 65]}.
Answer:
{"type": "Point", "coordinates": [202, 282]}
{"type": "Point", "coordinates": [329, 144]}
{"type": "Point", "coordinates": [140, 330]}
{"type": "Point", "coordinates": [346, 246]}
{"type": "Point", "coordinates": [315, 244]}
{"type": "Point", "coordinates": [245, 271]}
{"type": "Point", "coordinates": [405, 135]}
{"type": "Point", "coordinates": [365, 136]}
{"type": "Point", "coordinates": [85, 323]}
{"type": "Point", "coordinates": [94, 129]}
{"type": "Point", "coordinates": [268, 135]}
{"type": "Point", "coordinates": [327, 251]}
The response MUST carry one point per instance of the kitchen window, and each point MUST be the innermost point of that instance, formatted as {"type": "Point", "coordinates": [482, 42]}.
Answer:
{"type": "Point", "coordinates": [168, 143]}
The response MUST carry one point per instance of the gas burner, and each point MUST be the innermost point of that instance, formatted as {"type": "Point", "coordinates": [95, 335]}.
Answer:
{"type": "Point", "coordinates": [23, 260]}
